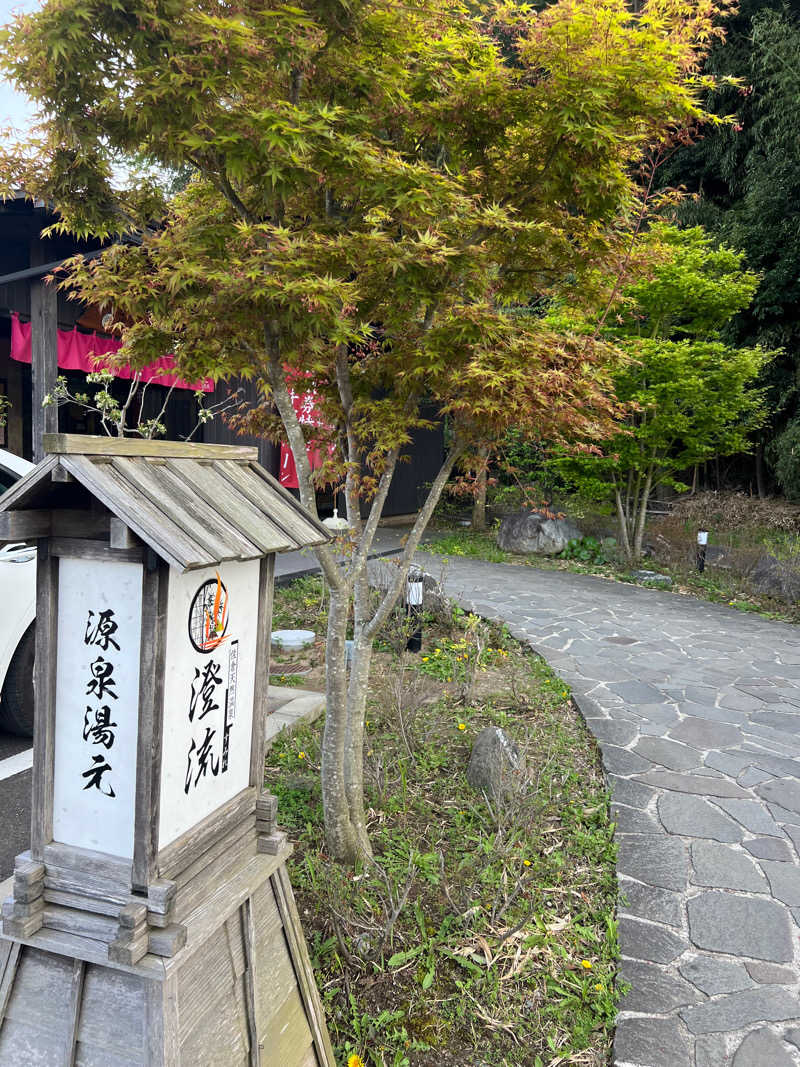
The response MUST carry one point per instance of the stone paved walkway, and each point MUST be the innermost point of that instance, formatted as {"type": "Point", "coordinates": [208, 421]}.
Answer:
{"type": "Point", "coordinates": [697, 711]}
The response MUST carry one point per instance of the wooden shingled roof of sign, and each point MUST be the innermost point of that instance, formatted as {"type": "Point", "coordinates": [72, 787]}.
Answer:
{"type": "Point", "coordinates": [196, 505]}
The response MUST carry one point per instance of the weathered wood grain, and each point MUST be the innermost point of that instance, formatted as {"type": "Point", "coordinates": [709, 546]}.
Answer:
{"type": "Point", "coordinates": [11, 951]}
{"type": "Point", "coordinates": [152, 668]}
{"type": "Point", "coordinates": [83, 548]}
{"type": "Point", "coordinates": [93, 445]}
{"type": "Point", "coordinates": [298, 525]}
{"type": "Point", "coordinates": [44, 684]}
{"type": "Point", "coordinates": [44, 361]}
{"type": "Point", "coordinates": [98, 866]}
{"type": "Point", "coordinates": [284, 898]}
{"type": "Point", "coordinates": [138, 512]}
{"type": "Point", "coordinates": [75, 999]}
{"type": "Point", "coordinates": [178, 854]}
{"type": "Point", "coordinates": [252, 979]}
{"type": "Point", "coordinates": [216, 490]}
{"type": "Point", "coordinates": [261, 683]}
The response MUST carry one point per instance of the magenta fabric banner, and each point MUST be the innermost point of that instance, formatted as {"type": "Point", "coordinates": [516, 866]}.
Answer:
{"type": "Point", "coordinates": [78, 351]}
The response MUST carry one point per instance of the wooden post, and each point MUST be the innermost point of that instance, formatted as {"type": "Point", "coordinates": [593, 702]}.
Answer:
{"type": "Point", "coordinates": [44, 361]}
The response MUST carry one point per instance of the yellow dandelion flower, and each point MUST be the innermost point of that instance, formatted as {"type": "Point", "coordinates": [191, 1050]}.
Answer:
{"type": "Point", "coordinates": [462, 726]}
{"type": "Point", "coordinates": [587, 964]}
{"type": "Point", "coordinates": [301, 755]}
{"type": "Point", "coordinates": [599, 987]}
{"type": "Point", "coordinates": [354, 1060]}
{"type": "Point", "coordinates": [425, 659]}
{"type": "Point", "coordinates": [526, 863]}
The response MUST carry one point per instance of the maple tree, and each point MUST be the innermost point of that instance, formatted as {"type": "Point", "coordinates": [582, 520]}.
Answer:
{"type": "Point", "coordinates": [379, 196]}
{"type": "Point", "coordinates": [690, 395]}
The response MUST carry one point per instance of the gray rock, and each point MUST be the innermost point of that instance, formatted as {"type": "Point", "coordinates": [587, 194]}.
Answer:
{"type": "Point", "coordinates": [496, 766]}
{"type": "Point", "coordinates": [752, 815]}
{"type": "Point", "coordinates": [771, 974]}
{"type": "Point", "coordinates": [662, 862]}
{"type": "Point", "coordinates": [532, 533]}
{"type": "Point", "coordinates": [638, 693]}
{"type": "Point", "coordinates": [656, 1042]}
{"type": "Point", "coordinates": [693, 783]}
{"type": "Point", "coordinates": [615, 733]}
{"type": "Point", "coordinates": [793, 1035]}
{"type": "Point", "coordinates": [652, 578]}
{"type": "Point", "coordinates": [668, 754]}
{"type": "Point", "coordinates": [769, 848]}
{"type": "Point", "coordinates": [784, 881]}
{"type": "Point", "coordinates": [714, 975]}
{"type": "Point", "coordinates": [293, 640]}
{"type": "Point", "coordinates": [626, 791]}
{"type": "Point", "coordinates": [760, 1048]}
{"type": "Point", "coordinates": [782, 791]}
{"type": "Point", "coordinates": [634, 821]}
{"type": "Point", "coordinates": [649, 941]}
{"type": "Point", "coordinates": [721, 867]}
{"type": "Point", "coordinates": [774, 577]}
{"type": "Point", "coordinates": [620, 761]}
{"type": "Point", "coordinates": [705, 734]}
{"type": "Point", "coordinates": [654, 990]}
{"type": "Point", "coordinates": [710, 1051]}
{"type": "Point", "coordinates": [650, 902]}
{"type": "Point", "coordinates": [753, 776]}
{"type": "Point", "coordinates": [691, 816]}
{"type": "Point", "coordinates": [741, 926]}
{"type": "Point", "coordinates": [740, 1009]}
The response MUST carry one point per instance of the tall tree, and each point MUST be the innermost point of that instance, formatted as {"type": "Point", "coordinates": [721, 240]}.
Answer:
{"type": "Point", "coordinates": [374, 184]}
{"type": "Point", "coordinates": [746, 177]}
{"type": "Point", "coordinates": [690, 396]}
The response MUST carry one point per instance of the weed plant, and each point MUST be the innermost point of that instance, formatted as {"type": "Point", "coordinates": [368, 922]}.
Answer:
{"type": "Point", "coordinates": [482, 932]}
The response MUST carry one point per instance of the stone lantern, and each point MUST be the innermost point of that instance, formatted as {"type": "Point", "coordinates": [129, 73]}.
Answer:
{"type": "Point", "coordinates": [152, 921]}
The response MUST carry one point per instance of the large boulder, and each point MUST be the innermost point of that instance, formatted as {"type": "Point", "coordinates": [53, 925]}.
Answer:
{"type": "Point", "coordinates": [496, 766]}
{"type": "Point", "coordinates": [777, 578]}
{"type": "Point", "coordinates": [532, 533]}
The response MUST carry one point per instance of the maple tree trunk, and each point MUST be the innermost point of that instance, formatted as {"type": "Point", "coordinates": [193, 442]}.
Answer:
{"type": "Point", "coordinates": [479, 505]}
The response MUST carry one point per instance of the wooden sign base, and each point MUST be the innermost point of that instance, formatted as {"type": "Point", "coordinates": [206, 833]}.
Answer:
{"type": "Point", "coordinates": [239, 992]}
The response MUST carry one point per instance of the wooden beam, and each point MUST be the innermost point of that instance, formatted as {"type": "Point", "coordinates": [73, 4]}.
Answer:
{"type": "Point", "coordinates": [24, 525]}
{"type": "Point", "coordinates": [266, 583]}
{"type": "Point", "coordinates": [44, 688]}
{"type": "Point", "coordinates": [89, 445]}
{"type": "Point", "coordinates": [121, 536]}
{"type": "Point", "coordinates": [44, 362]}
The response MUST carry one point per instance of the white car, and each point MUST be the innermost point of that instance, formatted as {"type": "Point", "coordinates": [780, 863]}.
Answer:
{"type": "Point", "coordinates": [18, 595]}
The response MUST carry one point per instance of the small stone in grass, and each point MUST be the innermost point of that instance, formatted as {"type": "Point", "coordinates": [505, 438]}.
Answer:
{"type": "Point", "coordinates": [496, 766]}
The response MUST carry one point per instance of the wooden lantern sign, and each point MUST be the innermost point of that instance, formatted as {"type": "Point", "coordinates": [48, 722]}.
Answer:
{"type": "Point", "coordinates": [152, 922]}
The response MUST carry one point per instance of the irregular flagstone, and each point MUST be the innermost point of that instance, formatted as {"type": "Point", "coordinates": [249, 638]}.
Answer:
{"type": "Point", "coordinates": [771, 974]}
{"type": "Point", "coordinates": [691, 816]}
{"type": "Point", "coordinates": [742, 926]}
{"type": "Point", "coordinates": [694, 705]}
{"type": "Point", "coordinates": [762, 1048]}
{"type": "Point", "coordinates": [751, 815]}
{"type": "Point", "coordinates": [654, 989]}
{"type": "Point", "coordinates": [714, 975]}
{"type": "Point", "coordinates": [656, 1042]}
{"type": "Point", "coordinates": [722, 867]}
{"type": "Point", "coordinates": [668, 754]}
{"type": "Point", "coordinates": [784, 881]}
{"type": "Point", "coordinates": [710, 1051]}
{"type": "Point", "coordinates": [736, 1010]}
{"type": "Point", "coordinates": [662, 862]}
{"type": "Point", "coordinates": [782, 791]}
{"type": "Point", "coordinates": [693, 783]}
{"type": "Point", "coordinates": [704, 734]}
{"type": "Point", "coordinates": [769, 848]}
{"type": "Point", "coordinates": [650, 902]}
{"type": "Point", "coordinates": [649, 941]}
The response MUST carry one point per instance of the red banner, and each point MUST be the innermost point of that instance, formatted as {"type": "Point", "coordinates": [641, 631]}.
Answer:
{"type": "Point", "coordinates": [78, 351]}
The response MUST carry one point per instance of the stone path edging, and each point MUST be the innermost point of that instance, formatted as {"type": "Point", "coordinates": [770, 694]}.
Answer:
{"type": "Point", "coordinates": [696, 708]}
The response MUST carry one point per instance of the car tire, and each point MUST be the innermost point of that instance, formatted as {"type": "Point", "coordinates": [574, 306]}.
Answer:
{"type": "Point", "coordinates": [16, 700]}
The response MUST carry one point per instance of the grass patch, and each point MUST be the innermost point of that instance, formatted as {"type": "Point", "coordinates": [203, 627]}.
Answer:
{"type": "Point", "coordinates": [479, 931]}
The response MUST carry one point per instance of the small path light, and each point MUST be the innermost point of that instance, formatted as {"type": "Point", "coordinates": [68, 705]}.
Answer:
{"type": "Point", "coordinates": [702, 541]}
{"type": "Point", "coordinates": [415, 587]}
{"type": "Point", "coordinates": [336, 524]}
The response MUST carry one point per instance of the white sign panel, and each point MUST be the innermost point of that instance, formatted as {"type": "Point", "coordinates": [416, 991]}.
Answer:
{"type": "Point", "coordinates": [97, 704]}
{"type": "Point", "coordinates": [212, 617]}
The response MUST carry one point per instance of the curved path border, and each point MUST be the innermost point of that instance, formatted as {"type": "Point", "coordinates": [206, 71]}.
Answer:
{"type": "Point", "coordinates": [696, 708]}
